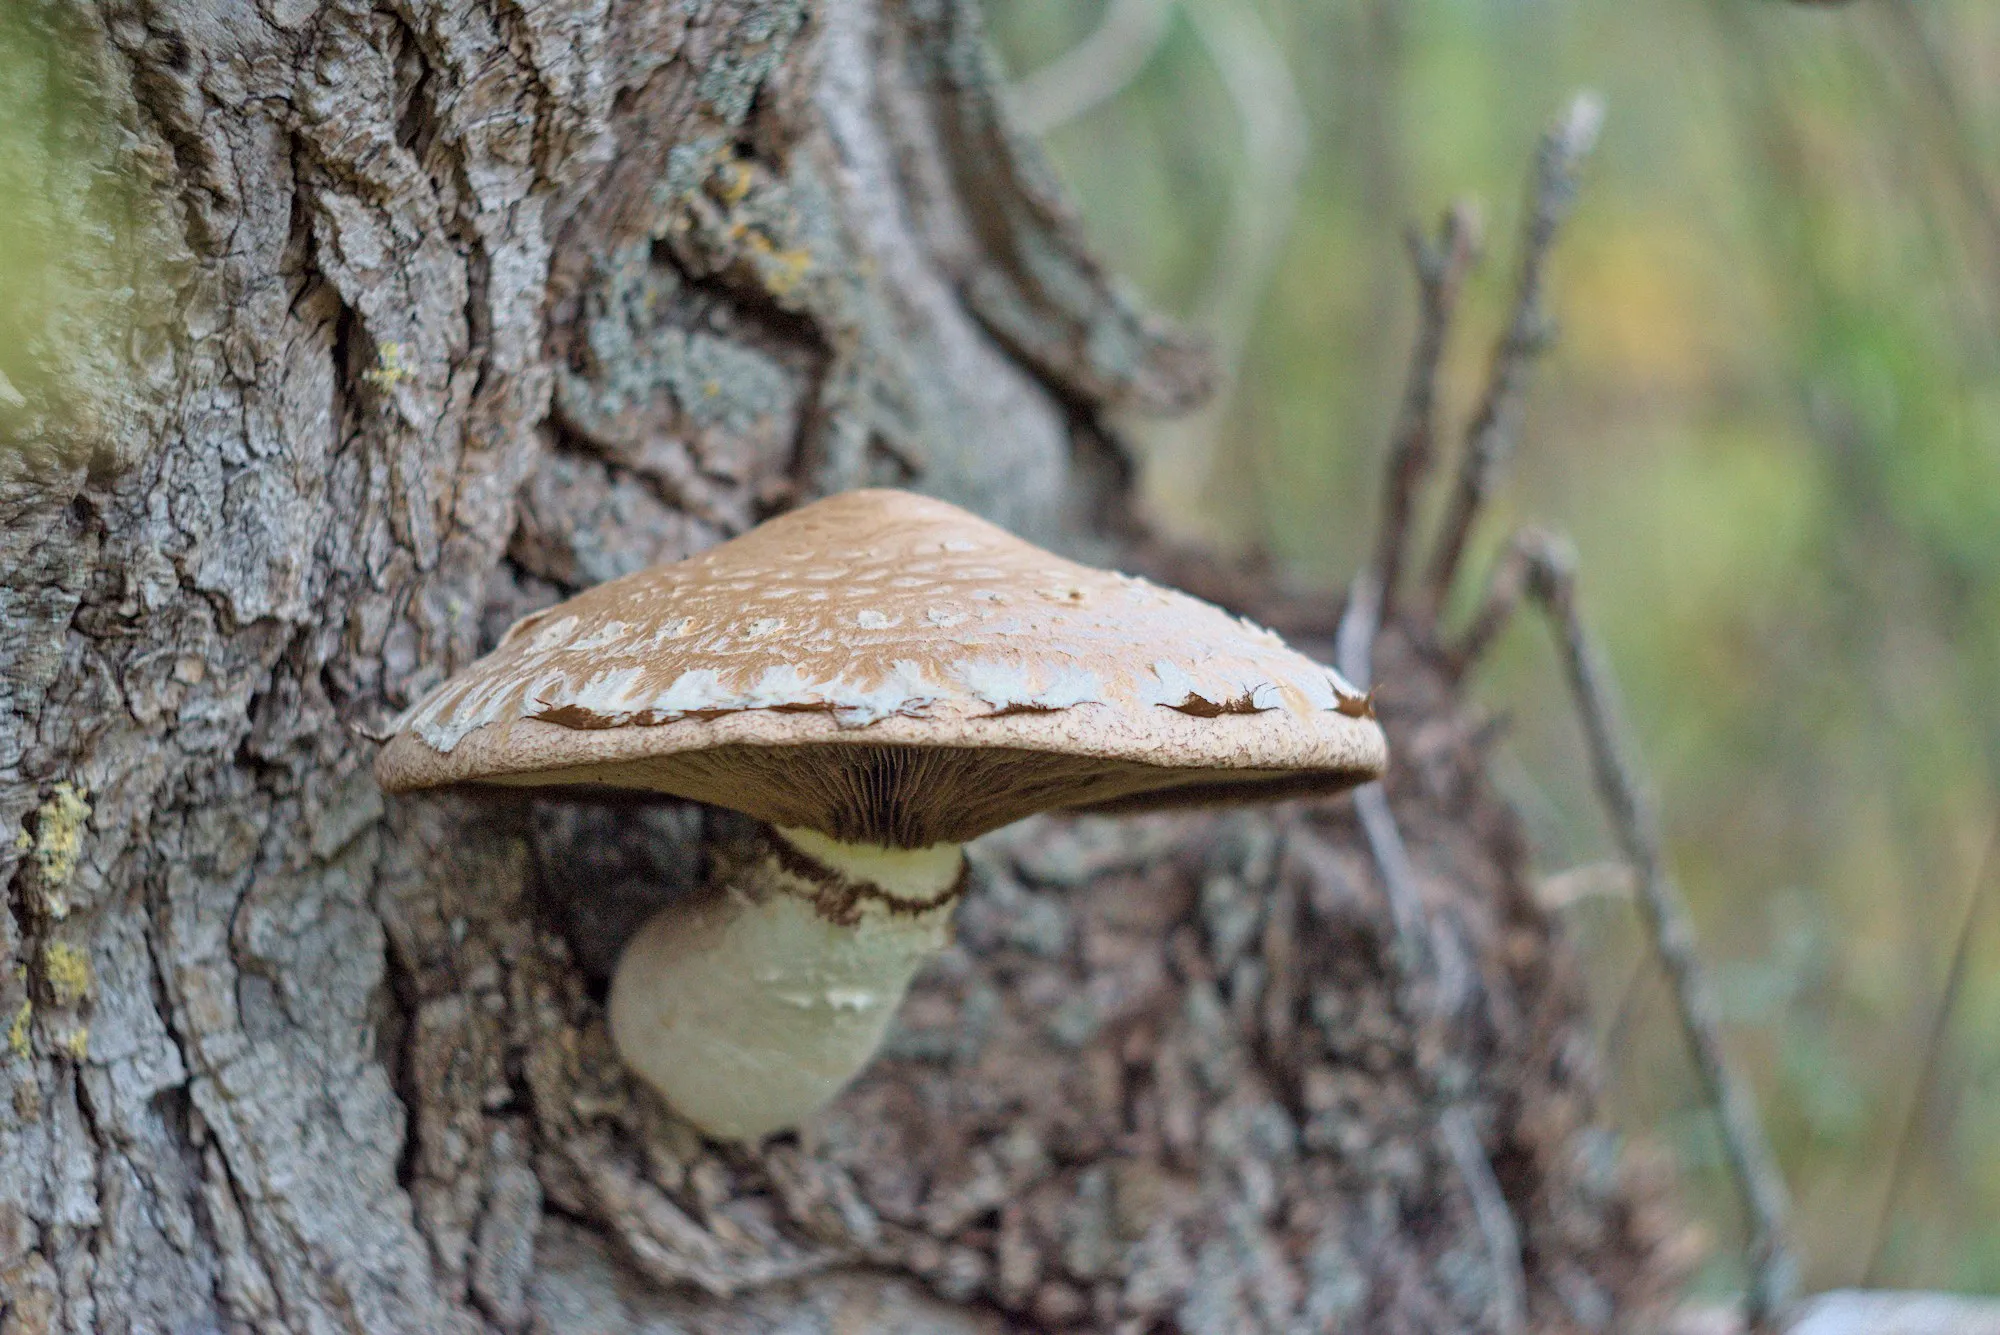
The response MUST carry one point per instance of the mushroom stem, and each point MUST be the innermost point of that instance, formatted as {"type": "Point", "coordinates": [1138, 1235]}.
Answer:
{"type": "Point", "coordinates": [749, 1010]}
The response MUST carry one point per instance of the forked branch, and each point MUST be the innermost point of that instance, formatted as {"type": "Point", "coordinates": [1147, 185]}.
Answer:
{"type": "Point", "coordinates": [1437, 974]}
{"type": "Point", "coordinates": [1547, 573]}
{"type": "Point", "coordinates": [1985, 884]}
{"type": "Point", "coordinates": [1490, 439]}
{"type": "Point", "coordinates": [1432, 961]}
{"type": "Point", "coordinates": [1541, 567]}
{"type": "Point", "coordinates": [1505, 587]}
{"type": "Point", "coordinates": [1441, 264]}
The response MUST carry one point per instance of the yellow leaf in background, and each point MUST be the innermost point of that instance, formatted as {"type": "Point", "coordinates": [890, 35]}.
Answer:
{"type": "Point", "coordinates": [1639, 313]}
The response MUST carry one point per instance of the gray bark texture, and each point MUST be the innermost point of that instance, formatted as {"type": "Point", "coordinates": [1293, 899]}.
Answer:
{"type": "Point", "coordinates": [365, 326]}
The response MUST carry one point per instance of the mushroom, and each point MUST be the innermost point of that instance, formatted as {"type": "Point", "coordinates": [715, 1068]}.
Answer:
{"type": "Point", "coordinates": [878, 677]}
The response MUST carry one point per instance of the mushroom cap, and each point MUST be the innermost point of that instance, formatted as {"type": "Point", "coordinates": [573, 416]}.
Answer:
{"type": "Point", "coordinates": [887, 668]}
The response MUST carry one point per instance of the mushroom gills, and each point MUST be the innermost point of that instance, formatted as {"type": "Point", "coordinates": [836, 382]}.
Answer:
{"type": "Point", "coordinates": [749, 1011]}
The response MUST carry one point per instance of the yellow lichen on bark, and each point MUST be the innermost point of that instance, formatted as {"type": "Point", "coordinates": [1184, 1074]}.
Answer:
{"type": "Point", "coordinates": [17, 1029]}
{"type": "Point", "coordinates": [66, 970]}
{"type": "Point", "coordinates": [58, 838]}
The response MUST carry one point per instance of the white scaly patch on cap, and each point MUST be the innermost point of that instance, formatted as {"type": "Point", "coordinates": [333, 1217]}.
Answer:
{"type": "Point", "coordinates": [606, 635]}
{"type": "Point", "coordinates": [552, 635]}
{"type": "Point", "coordinates": [1010, 686]}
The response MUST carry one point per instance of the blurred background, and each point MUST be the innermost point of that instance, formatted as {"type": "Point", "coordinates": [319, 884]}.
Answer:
{"type": "Point", "coordinates": [1772, 426]}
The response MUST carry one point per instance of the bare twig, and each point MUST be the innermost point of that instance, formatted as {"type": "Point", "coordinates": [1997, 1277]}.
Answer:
{"type": "Point", "coordinates": [1399, 881]}
{"type": "Point", "coordinates": [1095, 69]}
{"type": "Point", "coordinates": [1441, 266]}
{"type": "Point", "coordinates": [1552, 584]}
{"type": "Point", "coordinates": [1490, 439]}
{"type": "Point", "coordinates": [1576, 885]}
{"type": "Point", "coordinates": [1427, 953]}
{"type": "Point", "coordinates": [1950, 132]}
{"type": "Point", "coordinates": [1504, 588]}
{"type": "Point", "coordinates": [1496, 1221]}
{"type": "Point", "coordinates": [1541, 566]}
{"type": "Point", "coordinates": [1987, 877]}
{"type": "Point", "coordinates": [1626, 1013]}
{"type": "Point", "coordinates": [1354, 648]}
{"type": "Point", "coordinates": [1271, 125]}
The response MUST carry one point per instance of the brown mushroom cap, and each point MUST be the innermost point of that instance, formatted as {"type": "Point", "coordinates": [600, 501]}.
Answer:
{"type": "Point", "coordinates": [887, 668]}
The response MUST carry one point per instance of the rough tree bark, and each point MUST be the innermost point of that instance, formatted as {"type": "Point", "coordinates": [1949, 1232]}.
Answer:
{"type": "Point", "coordinates": [385, 321]}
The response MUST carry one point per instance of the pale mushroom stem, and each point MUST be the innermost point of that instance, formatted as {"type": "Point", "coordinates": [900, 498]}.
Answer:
{"type": "Point", "coordinates": [751, 1009]}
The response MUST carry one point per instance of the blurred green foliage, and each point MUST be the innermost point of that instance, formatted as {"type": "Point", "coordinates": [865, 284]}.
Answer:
{"type": "Point", "coordinates": [1772, 427]}
{"type": "Point", "coordinates": [79, 271]}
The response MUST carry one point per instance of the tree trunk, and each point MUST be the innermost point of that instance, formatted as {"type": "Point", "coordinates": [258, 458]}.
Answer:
{"type": "Point", "coordinates": [365, 328]}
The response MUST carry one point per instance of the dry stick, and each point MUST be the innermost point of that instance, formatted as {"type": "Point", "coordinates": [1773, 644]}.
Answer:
{"type": "Point", "coordinates": [1552, 584]}
{"type": "Point", "coordinates": [1422, 951]}
{"type": "Point", "coordinates": [1425, 951]}
{"type": "Point", "coordinates": [1626, 1014]}
{"type": "Point", "coordinates": [1441, 267]}
{"type": "Point", "coordinates": [1272, 129]}
{"type": "Point", "coordinates": [1952, 128]}
{"type": "Point", "coordinates": [1489, 1206]}
{"type": "Point", "coordinates": [1353, 650]}
{"type": "Point", "coordinates": [1095, 69]}
{"type": "Point", "coordinates": [1985, 880]}
{"type": "Point", "coordinates": [1504, 588]}
{"type": "Point", "coordinates": [1490, 438]}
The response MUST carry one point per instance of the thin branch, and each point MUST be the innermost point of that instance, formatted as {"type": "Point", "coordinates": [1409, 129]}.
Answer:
{"type": "Point", "coordinates": [1983, 883]}
{"type": "Point", "coordinates": [1272, 132]}
{"type": "Point", "coordinates": [1950, 132]}
{"type": "Point", "coordinates": [1441, 265]}
{"type": "Point", "coordinates": [1504, 589]}
{"type": "Point", "coordinates": [1094, 70]}
{"type": "Point", "coordinates": [1354, 649]}
{"type": "Point", "coordinates": [1552, 584]}
{"type": "Point", "coordinates": [1627, 1012]}
{"type": "Point", "coordinates": [1496, 1221]}
{"type": "Point", "coordinates": [1392, 858]}
{"type": "Point", "coordinates": [1425, 952]}
{"type": "Point", "coordinates": [1490, 438]}
{"type": "Point", "coordinates": [1576, 885]}
{"type": "Point", "coordinates": [1271, 127]}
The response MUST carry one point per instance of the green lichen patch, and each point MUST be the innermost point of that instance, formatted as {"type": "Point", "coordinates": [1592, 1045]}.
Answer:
{"type": "Point", "coordinates": [392, 366]}
{"type": "Point", "coordinates": [86, 248]}
{"type": "Point", "coordinates": [729, 85]}
{"type": "Point", "coordinates": [66, 972]}
{"type": "Point", "coordinates": [57, 843]}
{"type": "Point", "coordinates": [18, 1029]}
